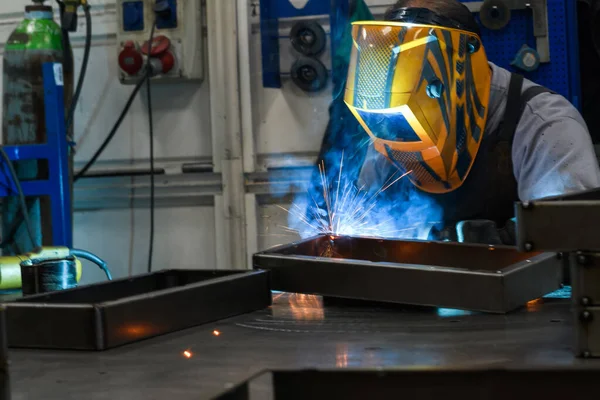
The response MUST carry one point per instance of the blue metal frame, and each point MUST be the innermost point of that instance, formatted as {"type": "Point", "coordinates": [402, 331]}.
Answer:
{"type": "Point", "coordinates": [574, 73]}
{"type": "Point", "coordinates": [55, 151]}
{"type": "Point", "coordinates": [271, 11]}
{"type": "Point", "coordinates": [560, 75]}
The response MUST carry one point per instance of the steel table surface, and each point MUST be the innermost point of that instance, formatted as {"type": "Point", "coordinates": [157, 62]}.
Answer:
{"type": "Point", "coordinates": [299, 331]}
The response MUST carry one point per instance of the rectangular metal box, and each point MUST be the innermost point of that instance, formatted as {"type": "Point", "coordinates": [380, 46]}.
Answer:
{"type": "Point", "coordinates": [106, 315]}
{"type": "Point", "coordinates": [452, 275]}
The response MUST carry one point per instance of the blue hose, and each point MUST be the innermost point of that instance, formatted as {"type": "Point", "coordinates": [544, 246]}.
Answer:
{"type": "Point", "coordinates": [86, 255]}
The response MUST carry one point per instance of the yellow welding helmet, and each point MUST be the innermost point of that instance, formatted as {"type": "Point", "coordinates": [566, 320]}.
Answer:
{"type": "Point", "coordinates": [421, 91]}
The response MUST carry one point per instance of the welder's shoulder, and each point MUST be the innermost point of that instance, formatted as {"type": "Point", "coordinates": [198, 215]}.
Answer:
{"type": "Point", "coordinates": [548, 107]}
{"type": "Point", "coordinates": [550, 121]}
{"type": "Point", "coordinates": [552, 151]}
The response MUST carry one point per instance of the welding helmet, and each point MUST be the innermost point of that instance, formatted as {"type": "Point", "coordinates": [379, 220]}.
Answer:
{"type": "Point", "coordinates": [421, 91]}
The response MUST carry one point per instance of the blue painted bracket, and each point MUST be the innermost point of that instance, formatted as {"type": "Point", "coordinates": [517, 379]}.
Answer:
{"type": "Point", "coordinates": [55, 151]}
{"type": "Point", "coordinates": [573, 53]}
{"type": "Point", "coordinates": [270, 13]}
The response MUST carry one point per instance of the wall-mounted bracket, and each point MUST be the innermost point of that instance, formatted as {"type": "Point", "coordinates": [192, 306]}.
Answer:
{"type": "Point", "coordinates": [540, 21]}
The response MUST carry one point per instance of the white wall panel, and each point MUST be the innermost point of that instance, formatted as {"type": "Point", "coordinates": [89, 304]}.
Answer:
{"type": "Point", "coordinates": [271, 220]}
{"type": "Point", "coordinates": [14, 6]}
{"type": "Point", "coordinates": [181, 115]}
{"type": "Point", "coordinates": [183, 240]}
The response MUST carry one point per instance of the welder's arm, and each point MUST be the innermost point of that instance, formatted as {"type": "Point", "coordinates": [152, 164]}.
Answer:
{"type": "Point", "coordinates": [375, 170]}
{"type": "Point", "coordinates": [486, 232]}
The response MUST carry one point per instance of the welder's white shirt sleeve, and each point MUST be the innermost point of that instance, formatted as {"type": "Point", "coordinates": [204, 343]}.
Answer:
{"type": "Point", "coordinates": [552, 150]}
{"type": "Point", "coordinates": [375, 170]}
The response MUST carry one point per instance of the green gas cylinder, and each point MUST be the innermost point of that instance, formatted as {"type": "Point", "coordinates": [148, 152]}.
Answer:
{"type": "Point", "coordinates": [35, 41]}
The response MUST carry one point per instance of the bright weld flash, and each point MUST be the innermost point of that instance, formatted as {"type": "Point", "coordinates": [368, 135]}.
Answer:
{"type": "Point", "coordinates": [347, 209]}
{"type": "Point", "coordinates": [187, 354]}
{"type": "Point", "coordinates": [216, 333]}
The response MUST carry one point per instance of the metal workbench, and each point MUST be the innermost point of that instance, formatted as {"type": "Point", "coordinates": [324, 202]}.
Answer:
{"type": "Point", "coordinates": [300, 331]}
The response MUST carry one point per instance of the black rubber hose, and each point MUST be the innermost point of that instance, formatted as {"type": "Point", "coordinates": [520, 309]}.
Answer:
{"type": "Point", "coordinates": [84, 66]}
{"type": "Point", "coordinates": [114, 130]}
{"type": "Point", "coordinates": [151, 135]}
{"type": "Point", "coordinates": [86, 255]}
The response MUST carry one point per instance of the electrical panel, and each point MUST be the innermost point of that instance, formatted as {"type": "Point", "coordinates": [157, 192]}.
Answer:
{"type": "Point", "coordinates": [177, 49]}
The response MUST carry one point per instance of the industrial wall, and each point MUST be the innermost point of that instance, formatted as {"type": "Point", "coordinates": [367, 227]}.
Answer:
{"type": "Point", "coordinates": [111, 216]}
{"type": "Point", "coordinates": [105, 221]}
{"type": "Point", "coordinates": [285, 126]}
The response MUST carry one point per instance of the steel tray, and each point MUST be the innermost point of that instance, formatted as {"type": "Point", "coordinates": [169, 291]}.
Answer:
{"type": "Point", "coordinates": [453, 275]}
{"type": "Point", "coordinates": [106, 315]}
{"type": "Point", "coordinates": [4, 364]}
{"type": "Point", "coordinates": [422, 384]}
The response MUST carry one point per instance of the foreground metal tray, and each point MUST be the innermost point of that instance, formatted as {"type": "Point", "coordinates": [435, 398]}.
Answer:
{"type": "Point", "coordinates": [452, 275]}
{"type": "Point", "coordinates": [421, 384]}
{"type": "Point", "coordinates": [4, 364]}
{"type": "Point", "coordinates": [111, 314]}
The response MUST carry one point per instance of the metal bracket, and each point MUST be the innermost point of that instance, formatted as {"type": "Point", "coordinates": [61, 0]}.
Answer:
{"type": "Point", "coordinates": [540, 21]}
{"type": "Point", "coordinates": [271, 11]}
{"type": "Point", "coordinates": [585, 272]}
{"type": "Point", "coordinates": [567, 223]}
{"type": "Point", "coordinates": [562, 223]}
{"type": "Point", "coordinates": [558, 226]}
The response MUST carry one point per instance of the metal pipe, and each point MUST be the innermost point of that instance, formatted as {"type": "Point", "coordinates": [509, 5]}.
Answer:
{"type": "Point", "coordinates": [244, 65]}
{"type": "Point", "coordinates": [249, 149]}
{"type": "Point", "coordinates": [226, 135]}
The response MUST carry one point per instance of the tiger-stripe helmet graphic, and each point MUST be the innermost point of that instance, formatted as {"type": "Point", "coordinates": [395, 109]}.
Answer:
{"type": "Point", "coordinates": [421, 92]}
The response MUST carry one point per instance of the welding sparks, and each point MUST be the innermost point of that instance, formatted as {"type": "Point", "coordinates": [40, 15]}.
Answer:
{"type": "Point", "coordinates": [346, 209]}
{"type": "Point", "coordinates": [216, 333]}
{"type": "Point", "coordinates": [187, 354]}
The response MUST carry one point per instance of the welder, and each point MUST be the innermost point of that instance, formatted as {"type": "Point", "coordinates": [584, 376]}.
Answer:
{"type": "Point", "coordinates": [473, 137]}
